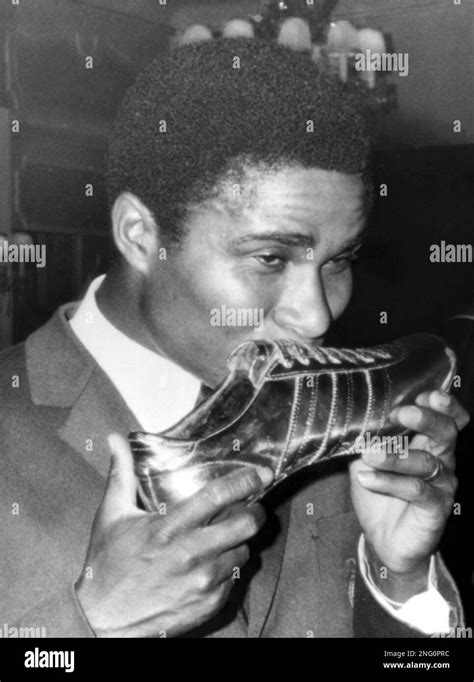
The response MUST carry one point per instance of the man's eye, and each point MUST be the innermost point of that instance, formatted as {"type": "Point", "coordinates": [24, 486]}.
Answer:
{"type": "Point", "coordinates": [270, 260]}
{"type": "Point", "coordinates": [341, 263]}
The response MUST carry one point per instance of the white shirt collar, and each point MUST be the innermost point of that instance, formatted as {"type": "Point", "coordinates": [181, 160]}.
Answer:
{"type": "Point", "coordinates": [157, 391]}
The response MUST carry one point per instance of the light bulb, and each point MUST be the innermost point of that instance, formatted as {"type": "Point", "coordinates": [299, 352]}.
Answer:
{"type": "Point", "coordinates": [195, 34]}
{"type": "Point", "coordinates": [370, 39]}
{"type": "Point", "coordinates": [295, 33]}
{"type": "Point", "coordinates": [238, 28]}
{"type": "Point", "coordinates": [342, 37]}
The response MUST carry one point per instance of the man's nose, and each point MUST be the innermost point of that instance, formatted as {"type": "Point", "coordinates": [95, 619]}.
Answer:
{"type": "Point", "coordinates": [304, 310]}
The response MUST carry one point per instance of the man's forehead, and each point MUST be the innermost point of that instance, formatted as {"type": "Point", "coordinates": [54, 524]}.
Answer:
{"type": "Point", "coordinates": [291, 192]}
{"type": "Point", "coordinates": [294, 207]}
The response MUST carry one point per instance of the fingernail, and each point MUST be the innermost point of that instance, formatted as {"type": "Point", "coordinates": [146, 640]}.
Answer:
{"type": "Point", "coordinates": [113, 440]}
{"type": "Point", "coordinates": [266, 475]}
{"type": "Point", "coordinates": [411, 413]}
{"type": "Point", "coordinates": [394, 414]}
{"type": "Point", "coordinates": [443, 399]}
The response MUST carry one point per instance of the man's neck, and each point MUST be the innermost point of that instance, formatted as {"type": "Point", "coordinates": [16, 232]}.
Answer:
{"type": "Point", "coordinates": [118, 300]}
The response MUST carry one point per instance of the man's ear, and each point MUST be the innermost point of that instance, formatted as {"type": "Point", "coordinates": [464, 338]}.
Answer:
{"type": "Point", "coordinates": [135, 231]}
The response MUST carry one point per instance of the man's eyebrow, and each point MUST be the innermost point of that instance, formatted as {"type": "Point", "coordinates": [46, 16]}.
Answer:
{"type": "Point", "coordinates": [355, 241]}
{"type": "Point", "coordinates": [284, 238]}
{"type": "Point", "coordinates": [296, 239]}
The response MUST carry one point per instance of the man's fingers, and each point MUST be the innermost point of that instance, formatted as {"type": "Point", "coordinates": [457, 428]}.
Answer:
{"type": "Point", "coordinates": [224, 568]}
{"type": "Point", "coordinates": [216, 496]}
{"type": "Point", "coordinates": [438, 427]}
{"type": "Point", "coordinates": [446, 404]}
{"type": "Point", "coordinates": [413, 462]}
{"type": "Point", "coordinates": [408, 488]}
{"type": "Point", "coordinates": [234, 531]}
{"type": "Point", "coordinates": [121, 490]}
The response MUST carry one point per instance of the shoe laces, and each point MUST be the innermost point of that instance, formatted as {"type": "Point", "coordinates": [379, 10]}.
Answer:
{"type": "Point", "coordinates": [289, 352]}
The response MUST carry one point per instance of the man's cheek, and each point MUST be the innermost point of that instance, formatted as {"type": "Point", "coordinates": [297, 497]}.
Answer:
{"type": "Point", "coordinates": [339, 294]}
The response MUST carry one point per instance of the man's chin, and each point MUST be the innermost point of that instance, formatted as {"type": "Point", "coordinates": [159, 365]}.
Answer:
{"type": "Point", "coordinates": [216, 369]}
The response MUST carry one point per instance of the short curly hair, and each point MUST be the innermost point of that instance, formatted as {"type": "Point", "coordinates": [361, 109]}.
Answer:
{"type": "Point", "coordinates": [194, 116]}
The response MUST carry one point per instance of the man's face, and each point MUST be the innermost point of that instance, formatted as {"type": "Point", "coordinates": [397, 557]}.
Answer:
{"type": "Point", "coordinates": [274, 262]}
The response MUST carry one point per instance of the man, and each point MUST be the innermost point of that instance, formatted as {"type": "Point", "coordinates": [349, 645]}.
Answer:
{"type": "Point", "coordinates": [237, 177]}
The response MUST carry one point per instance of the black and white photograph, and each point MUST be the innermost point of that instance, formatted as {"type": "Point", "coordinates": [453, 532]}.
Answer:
{"type": "Point", "coordinates": [236, 333]}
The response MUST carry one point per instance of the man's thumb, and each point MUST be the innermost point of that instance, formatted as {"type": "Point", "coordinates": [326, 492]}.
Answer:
{"type": "Point", "coordinates": [121, 490]}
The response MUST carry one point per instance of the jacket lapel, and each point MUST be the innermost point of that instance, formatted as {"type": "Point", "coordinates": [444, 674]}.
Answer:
{"type": "Point", "coordinates": [58, 366]}
{"type": "Point", "coordinates": [265, 581]}
{"type": "Point", "coordinates": [63, 374]}
{"type": "Point", "coordinates": [98, 412]}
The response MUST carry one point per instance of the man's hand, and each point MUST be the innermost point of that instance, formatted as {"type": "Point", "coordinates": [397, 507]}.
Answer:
{"type": "Point", "coordinates": [402, 513]}
{"type": "Point", "coordinates": [155, 575]}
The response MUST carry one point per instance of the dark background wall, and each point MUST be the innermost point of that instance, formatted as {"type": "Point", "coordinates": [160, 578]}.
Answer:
{"type": "Point", "coordinates": [64, 111]}
{"type": "Point", "coordinates": [430, 199]}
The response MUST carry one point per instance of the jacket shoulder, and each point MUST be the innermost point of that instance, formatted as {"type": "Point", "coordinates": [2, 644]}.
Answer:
{"type": "Point", "coordinates": [13, 373]}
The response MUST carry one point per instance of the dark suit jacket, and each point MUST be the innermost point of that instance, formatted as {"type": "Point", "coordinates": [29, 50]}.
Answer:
{"type": "Point", "coordinates": [57, 408]}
